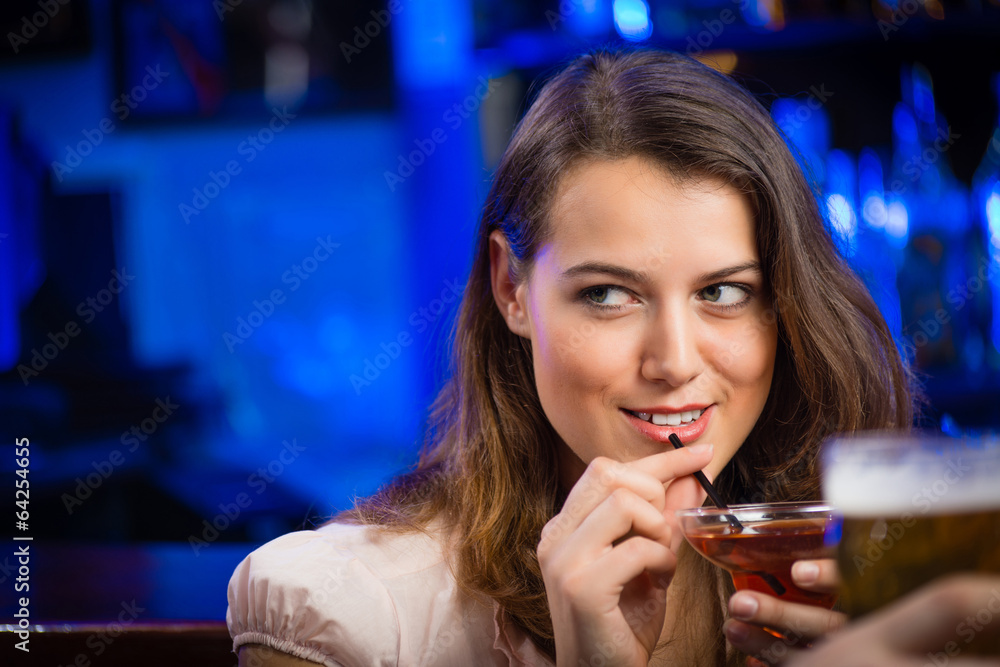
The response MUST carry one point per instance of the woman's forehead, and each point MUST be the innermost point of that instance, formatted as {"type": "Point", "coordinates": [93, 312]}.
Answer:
{"type": "Point", "coordinates": [633, 211]}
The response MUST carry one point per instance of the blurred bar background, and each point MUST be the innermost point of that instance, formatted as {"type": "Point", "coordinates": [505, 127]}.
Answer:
{"type": "Point", "coordinates": [233, 234]}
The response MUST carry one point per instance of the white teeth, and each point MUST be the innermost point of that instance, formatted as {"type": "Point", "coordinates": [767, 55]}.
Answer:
{"type": "Point", "coordinates": [673, 419]}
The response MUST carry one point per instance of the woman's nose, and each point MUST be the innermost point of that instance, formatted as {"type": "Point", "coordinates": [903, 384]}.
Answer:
{"type": "Point", "coordinates": [672, 352]}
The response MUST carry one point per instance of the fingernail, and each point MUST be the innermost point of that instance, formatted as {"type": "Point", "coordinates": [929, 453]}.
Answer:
{"type": "Point", "coordinates": [736, 632]}
{"type": "Point", "coordinates": [805, 573]}
{"type": "Point", "coordinates": [743, 607]}
{"type": "Point", "coordinates": [698, 450]}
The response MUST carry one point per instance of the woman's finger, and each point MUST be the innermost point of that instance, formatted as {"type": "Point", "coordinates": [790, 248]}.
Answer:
{"type": "Point", "coordinates": [669, 465]}
{"type": "Point", "coordinates": [646, 477]}
{"type": "Point", "coordinates": [623, 513]}
{"type": "Point", "coordinates": [598, 482]}
{"type": "Point", "coordinates": [819, 575]}
{"type": "Point", "coordinates": [797, 620]}
{"type": "Point", "coordinates": [636, 555]}
{"type": "Point", "coordinates": [615, 569]}
{"type": "Point", "coordinates": [681, 494]}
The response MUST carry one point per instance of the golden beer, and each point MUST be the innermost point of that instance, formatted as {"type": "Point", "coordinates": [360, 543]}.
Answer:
{"type": "Point", "coordinates": [915, 508]}
{"type": "Point", "coordinates": [884, 558]}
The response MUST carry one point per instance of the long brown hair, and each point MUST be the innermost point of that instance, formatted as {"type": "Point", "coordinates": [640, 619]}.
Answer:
{"type": "Point", "coordinates": [488, 468]}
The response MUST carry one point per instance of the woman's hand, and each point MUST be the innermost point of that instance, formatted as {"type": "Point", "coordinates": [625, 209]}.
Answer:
{"type": "Point", "coordinates": [750, 611]}
{"type": "Point", "coordinates": [609, 555]}
{"type": "Point", "coordinates": [933, 626]}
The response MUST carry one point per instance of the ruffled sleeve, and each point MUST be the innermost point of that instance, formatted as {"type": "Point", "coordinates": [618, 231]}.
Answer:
{"type": "Point", "coordinates": [307, 595]}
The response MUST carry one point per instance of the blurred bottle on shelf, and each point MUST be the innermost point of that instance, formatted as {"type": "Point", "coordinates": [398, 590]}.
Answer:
{"type": "Point", "coordinates": [880, 239]}
{"type": "Point", "coordinates": [853, 194]}
{"type": "Point", "coordinates": [928, 213]}
{"type": "Point", "coordinates": [986, 218]}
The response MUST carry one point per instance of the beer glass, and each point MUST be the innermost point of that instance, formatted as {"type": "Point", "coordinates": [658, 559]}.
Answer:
{"type": "Point", "coordinates": [915, 507]}
{"type": "Point", "coordinates": [758, 549]}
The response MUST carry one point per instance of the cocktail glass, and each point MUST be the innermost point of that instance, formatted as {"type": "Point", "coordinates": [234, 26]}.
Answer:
{"type": "Point", "coordinates": [759, 548]}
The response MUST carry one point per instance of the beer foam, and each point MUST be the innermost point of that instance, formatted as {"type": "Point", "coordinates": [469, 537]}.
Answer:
{"type": "Point", "coordinates": [916, 481]}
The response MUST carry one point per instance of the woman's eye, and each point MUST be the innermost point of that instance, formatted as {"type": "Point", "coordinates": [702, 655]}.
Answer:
{"type": "Point", "coordinates": [606, 295]}
{"type": "Point", "coordinates": [724, 295]}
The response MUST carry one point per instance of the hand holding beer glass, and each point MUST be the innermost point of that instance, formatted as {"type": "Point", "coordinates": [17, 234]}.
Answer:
{"type": "Point", "coordinates": [915, 508]}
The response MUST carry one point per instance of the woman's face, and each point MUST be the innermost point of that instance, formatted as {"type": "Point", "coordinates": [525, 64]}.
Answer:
{"type": "Point", "coordinates": [647, 314]}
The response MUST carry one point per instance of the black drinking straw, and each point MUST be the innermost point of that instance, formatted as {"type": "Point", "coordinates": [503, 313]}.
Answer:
{"type": "Point", "coordinates": [709, 489]}
{"type": "Point", "coordinates": [768, 578]}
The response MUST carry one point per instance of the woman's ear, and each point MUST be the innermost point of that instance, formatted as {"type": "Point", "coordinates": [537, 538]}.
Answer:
{"type": "Point", "coordinates": [508, 294]}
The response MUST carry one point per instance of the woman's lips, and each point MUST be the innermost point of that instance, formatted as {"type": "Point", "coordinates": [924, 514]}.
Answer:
{"type": "Point", "coordinates": [688, 432]}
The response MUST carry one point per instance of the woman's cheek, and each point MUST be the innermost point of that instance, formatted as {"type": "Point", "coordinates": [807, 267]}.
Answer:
{"type": "Point", "coordinates": [583, 357]}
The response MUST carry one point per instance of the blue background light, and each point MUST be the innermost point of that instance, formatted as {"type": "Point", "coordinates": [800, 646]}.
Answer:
{"type": "Point", "coordinates": [632, 19]}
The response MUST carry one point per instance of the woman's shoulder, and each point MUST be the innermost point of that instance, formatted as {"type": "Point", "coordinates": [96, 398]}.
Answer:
{"type": "Point", "coordinates": [387, 553]}
{"type": "Point", "coordinates": [311, 595]}
{"type": "Point", "coordinates": [305, 555]}
{"type": "Point", "coordinates": [355, 595]}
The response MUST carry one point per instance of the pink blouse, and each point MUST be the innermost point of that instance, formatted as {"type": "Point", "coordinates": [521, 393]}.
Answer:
{"type": "Point", "coordinates": [346, 595]}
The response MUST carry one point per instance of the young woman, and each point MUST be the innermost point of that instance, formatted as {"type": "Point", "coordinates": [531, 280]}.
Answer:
{"type": "Point", "coordinates": [650, 261]}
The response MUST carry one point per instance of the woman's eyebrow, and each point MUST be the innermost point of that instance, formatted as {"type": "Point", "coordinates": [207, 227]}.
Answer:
{"type": "Point", "coordinates": [613, 270]}
{"type": "Point", "coordinates": [631, 275]}
{"type": "Point", "coordinates": [714, 276]}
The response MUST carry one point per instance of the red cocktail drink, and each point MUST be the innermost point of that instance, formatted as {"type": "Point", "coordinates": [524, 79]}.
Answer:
{"type": "Point", "coordinates": [760, 549]}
